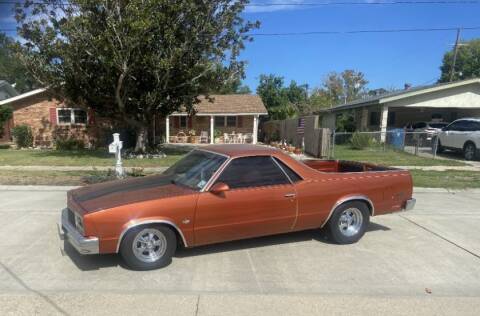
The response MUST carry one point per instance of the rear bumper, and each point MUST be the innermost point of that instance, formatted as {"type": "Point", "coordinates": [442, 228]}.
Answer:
{"type": "Point", "coordinates": [84, 245]}
{"type": "Point", "coordinates": [409, 204]}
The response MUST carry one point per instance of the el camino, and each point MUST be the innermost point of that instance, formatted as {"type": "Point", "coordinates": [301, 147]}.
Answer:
{"type": "Point", "coordinates": [220, 193]}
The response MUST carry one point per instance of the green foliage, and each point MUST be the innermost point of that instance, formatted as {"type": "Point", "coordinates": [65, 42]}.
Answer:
{"type": "Point", "coordinates": [345, 122]}
{"type": "Point", "coordinates": [282, 102]}
{"type": "Point", "coordinates": [132, 60]}
{"type": "Point", "coordinates": [99, 176]}
{"type": "Point", "coordinates": [4, 146]}
{"type": "Point", "coordinates": [11, 68]}
{"type": "Point", "coordinates": [69, 144]}
{"type": "Point", "coordinates": [22, 135]}
{"type": "Point", "coordinates": [467, 65]}
{"type": "Point", "coordinates": [361, 141]}
{"type": "Point", "coordinates": [234, 87]}
{"type": "Point", "coordinates": [5, 115]}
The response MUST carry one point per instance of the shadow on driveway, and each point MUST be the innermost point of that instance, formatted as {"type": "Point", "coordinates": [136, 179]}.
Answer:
{"type": "Point", "coordinates": [96, 262]}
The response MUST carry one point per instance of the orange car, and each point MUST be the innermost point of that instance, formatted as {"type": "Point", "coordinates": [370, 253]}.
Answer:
{"type": "Point", "coordinates": [228, 192]}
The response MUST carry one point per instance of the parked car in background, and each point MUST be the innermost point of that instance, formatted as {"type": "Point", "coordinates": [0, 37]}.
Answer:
{"type": "Point", "coordinates": [429, 128]}
{"type": "Point", "coordinates": [229, 192]}
{"type": "Point", "coordinates": [462, 135]}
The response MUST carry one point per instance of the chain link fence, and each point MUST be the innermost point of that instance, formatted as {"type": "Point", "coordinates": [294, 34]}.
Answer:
{"type": "Point", "coordinates": [423, 144]}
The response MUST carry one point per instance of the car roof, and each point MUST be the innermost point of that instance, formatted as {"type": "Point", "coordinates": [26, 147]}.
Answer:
{"type": "Point", "coordinates": [469, 119]}
{"type": "Point", "coordinates": [234, 150]}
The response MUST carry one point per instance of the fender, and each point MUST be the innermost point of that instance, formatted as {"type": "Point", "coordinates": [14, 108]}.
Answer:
{"type": "Point", "coordinates": [347, 199]}
{"type": "Point", "coordinates": [135, 223]}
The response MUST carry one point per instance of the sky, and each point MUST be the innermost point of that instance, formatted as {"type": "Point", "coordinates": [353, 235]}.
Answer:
{"type": "Point", "coordinates": [388, 60]}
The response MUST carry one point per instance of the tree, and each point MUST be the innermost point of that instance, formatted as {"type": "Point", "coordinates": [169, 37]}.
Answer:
{"type": "Point", "coordinates": [347, 86]}
{"type": "Point", "coordinates": [11, 68]}
{"type": "Point", "coordinates": [234, 87]}
{"type": "Point", "coordinates": [282, 102]}
{"type": "Point", "coordinates": [467, 65]}
{"type": "Point", "coordinates": [132, 60]}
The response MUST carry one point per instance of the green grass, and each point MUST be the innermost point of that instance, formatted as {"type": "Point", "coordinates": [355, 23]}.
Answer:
{"type": "Point", "coordinates": [13, 157]}
{"type": "Point", "coordinates": [389, 157]}
{"type": "Point", "coordinates": [450, 179]}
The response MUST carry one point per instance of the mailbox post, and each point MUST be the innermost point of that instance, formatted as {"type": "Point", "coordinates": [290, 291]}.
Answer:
{"type": "Point", "coordinates": [116, 148]}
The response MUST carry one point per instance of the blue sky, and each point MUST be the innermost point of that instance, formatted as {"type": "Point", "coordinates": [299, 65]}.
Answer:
{"type": "Point", "coordinates": [388, 60]}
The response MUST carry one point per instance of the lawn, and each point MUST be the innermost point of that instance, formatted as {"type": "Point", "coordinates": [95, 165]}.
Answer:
{"type": "Point", "coordinates": [390, 157]}
{"type": "Point", "coordinates": [13, 157]}
{"type": "Point", "coordinates": [449, 179]}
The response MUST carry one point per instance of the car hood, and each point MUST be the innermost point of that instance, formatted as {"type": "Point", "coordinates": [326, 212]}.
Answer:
{"type": "Point", "coordinates": [111, 194]}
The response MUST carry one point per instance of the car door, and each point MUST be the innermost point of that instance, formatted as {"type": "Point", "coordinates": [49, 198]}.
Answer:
{"type": "Point", "coordinates": [449, 137]}
{"type": "Point", "coordinates": [261, 200]}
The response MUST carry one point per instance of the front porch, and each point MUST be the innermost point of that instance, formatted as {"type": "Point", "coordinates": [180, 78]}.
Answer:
{"type": "Point", "coordinates": [211, 129]}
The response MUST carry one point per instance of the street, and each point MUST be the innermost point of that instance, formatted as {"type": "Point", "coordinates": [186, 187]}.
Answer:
{"type": "Point", "coordinates": [426, 261]}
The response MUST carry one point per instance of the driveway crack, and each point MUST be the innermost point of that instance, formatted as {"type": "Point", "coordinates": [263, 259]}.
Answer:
{"type": "Point", "coordinates": [441, 237]}
{"type": "Point", "coordinates": [29, 289]}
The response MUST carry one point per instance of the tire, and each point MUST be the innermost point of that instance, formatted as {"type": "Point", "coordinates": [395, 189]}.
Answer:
{"type": "Point", "coordinates": [158, 243]}
{"type": "Point", "coordinates": [469, 151]}
{"type": "Point", "coordinates": [348, 222]}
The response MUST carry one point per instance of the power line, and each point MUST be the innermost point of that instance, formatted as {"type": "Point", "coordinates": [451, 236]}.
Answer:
{"type": "Point", "coordinates": [317, 4]}
{"type": "Point", "coordinates": [366, 31]}
{"type": "Point", "coordinates": [343, 3]}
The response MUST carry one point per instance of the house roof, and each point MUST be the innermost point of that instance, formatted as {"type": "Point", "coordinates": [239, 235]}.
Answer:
{"type": "Point", "coordinates": [8, 87]}
{"type": "Point", "coordinates": [401, 94]}
{"type": "Point", "coordinates": [237, 104]}
{"type": "Point", "coordinates": [22, 96]}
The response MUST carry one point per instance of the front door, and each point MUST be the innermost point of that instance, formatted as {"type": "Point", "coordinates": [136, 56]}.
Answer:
{"type": "Point", "coordinates": [261, 201]}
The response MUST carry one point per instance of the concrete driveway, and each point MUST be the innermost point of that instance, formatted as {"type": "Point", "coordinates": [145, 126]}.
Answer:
{"type": "Point", "coordinates": [426, 261]}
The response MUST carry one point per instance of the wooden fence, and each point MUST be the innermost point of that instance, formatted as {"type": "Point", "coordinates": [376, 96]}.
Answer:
{"type": "Point", "coordinates": [316, 140]}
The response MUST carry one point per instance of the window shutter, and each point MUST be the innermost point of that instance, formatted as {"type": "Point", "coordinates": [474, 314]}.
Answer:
{"type": "Point", "coordinates": [91, 116]}
{"type": "Point", "coordinates": [176, 121]}
{"type": "Point", "coordinates": [189, 121]}
{"type": "Point", "coordinates": [240, 121]}
{"type": "Point", "coordinates": [53, 116]}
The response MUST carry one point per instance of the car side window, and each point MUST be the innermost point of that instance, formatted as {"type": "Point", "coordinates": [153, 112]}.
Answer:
{"type": "Point", "coordinates": [476, 126]}
{"type": "Point", "coordinates": [291, 174]}
{"type": "Point", "coordinates": [457, 126]}
{"type": "Point", "coordinates": [257, 171]}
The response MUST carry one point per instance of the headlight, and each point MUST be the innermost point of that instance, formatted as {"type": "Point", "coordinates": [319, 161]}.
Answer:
{"type": "Point", "coordinates": [79, 223]}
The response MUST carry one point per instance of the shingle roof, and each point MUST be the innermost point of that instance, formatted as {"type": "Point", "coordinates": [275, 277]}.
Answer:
{"type": "Point", "coordinates": [402, 93]}
{"type": "Point", "coordinates": [231, 104]}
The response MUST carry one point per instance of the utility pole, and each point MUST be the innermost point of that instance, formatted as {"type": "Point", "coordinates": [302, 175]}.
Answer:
{"type": "Point", "coordinates": [455, 52]}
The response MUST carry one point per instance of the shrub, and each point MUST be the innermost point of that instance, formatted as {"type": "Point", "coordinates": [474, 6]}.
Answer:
{"type": "Point", "coordinates": [22, 135]}
{"type": "Point", "coordinates": [5, 115]}
{"type": "Point", "coordinates": [4, 146]}
{"type": "Point", "coordinates": [69, 144]}
{"type": "Point", "coordinates": [361, 141]}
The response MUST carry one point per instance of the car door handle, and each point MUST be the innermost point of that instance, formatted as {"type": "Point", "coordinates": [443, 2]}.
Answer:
{"type": "Point", "coordinates": [290, 195]}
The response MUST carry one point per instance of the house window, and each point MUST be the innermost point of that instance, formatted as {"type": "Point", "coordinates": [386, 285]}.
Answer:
{"type": "Point", "coordinates": [219, 121]}
{"type": "Point", "coordinates": [374, 118]}
{"type": "Point", "coordinates": [391, 118]}
{"type": "Point", "coordinates": [183, 122]}
{"type": "Point", "coordinates": [231, 121]}
{"type": "Point", "coordinates": [67, 116]}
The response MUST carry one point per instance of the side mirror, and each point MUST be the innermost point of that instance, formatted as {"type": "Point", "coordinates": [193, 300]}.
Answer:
{"type": "Point", "coordinates": [219, 187]}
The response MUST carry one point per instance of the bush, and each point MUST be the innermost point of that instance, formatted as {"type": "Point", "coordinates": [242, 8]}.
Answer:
{"type": "Point", "coordinates": [69, 144]}
{"type": "Point", "coordinates": [4, 146]}
{"type": "Point", "coordinates": [5, 115]}
{"type": "Point", "coordinates": [360, 141]}
{"type": "Point", "coordinates": [22, 135]}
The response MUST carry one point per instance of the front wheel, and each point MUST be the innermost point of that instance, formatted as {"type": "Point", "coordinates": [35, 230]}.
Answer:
{"type": "Point", "coordinates": [469, 151]}
{"type": "Point", "coordinates": [348, 222]}
{"type": "Point", "coordinates": [148, 247]}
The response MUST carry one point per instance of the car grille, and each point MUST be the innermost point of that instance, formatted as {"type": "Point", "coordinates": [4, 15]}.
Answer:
{"type": "Point", "coordinates": [71, 217]}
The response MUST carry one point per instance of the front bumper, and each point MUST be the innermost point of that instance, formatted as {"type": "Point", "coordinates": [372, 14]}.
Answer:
{"type": "Point", "coordinates": [409, 204]}
{"type": "Point", "coordinates": [84, 245]}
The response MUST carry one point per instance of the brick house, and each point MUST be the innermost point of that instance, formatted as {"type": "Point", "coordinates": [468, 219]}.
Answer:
{"type": "Point", "coordinates": [235, 116]}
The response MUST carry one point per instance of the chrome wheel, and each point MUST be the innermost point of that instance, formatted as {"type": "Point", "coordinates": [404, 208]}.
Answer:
{"type": "Point", "coordinates": [350, 222]}
{"type": "Point", "coordinates": [149, 245]}
{"type": "Point", "coordinates": [469, 152]}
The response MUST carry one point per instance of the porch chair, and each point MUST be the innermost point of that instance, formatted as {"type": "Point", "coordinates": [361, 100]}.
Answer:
{"type": "Point", "coordinates": [181, 137]}
{"type": "Point", "coordinates": [204, 137]}
{"type": "Point", "coordinates": [226, 138]}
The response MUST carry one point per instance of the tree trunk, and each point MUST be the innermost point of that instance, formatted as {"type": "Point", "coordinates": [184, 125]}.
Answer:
{"type": "Point", "coordinates": [142, 140]}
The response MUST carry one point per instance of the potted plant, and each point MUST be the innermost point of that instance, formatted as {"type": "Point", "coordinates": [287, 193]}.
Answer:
{"type": "Point", "coordinates": [191, 136]}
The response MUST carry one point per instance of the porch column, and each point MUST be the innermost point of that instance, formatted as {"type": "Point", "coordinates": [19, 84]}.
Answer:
{"type": "Point", "coordinates": [383, 123]}
{"type": "Point", "coordinates": [212, 127]}
{"type": "Point", "coordinates": [167, 129]}
{"type": "Point", "coordinates": [255, 129]}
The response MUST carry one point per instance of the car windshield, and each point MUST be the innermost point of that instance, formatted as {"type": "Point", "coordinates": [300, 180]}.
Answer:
{"type": "Point", "coordinates": [195, 169]}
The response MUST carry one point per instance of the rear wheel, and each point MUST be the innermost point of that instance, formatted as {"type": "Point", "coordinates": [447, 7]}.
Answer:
{"type": "Point", "coordinates": [148, 247]}
{"type": "Point", "coordinates": [349, 222]}
{"type": "Point", "coordinates": [469, 151]}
